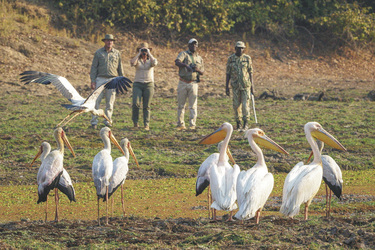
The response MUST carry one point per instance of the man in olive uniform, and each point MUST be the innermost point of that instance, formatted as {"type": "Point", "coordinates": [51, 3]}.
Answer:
{"type": "Point", "coordinates": [240, 74]}
{"type": "Point", "coordinates": [190, 66]}
{"type": "Point", "coordinates": [105, 65]}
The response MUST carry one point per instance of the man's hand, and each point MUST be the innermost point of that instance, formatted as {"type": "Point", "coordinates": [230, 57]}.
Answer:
{"type": "Point", "coordinates": [93, 85]}
{"type": "Point", "coordinates": [227, 91]}
{"type": "Point", "coordinates": [188, 68]}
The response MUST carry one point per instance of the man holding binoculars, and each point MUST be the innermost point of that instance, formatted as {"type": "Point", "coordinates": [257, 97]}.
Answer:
{"type": "Point", "coordinates": [191, 67]}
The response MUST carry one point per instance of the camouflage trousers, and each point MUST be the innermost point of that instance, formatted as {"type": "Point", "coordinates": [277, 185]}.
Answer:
{"type": "Point", "coordinates": [110, 96]}
{"type": "Point", "coordinates": [241, 101]}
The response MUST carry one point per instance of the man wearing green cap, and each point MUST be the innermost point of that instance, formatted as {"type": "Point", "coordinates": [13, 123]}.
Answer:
{"type": "Point", "coordinates": [240, 74]}
{"type": "Point", "coordinates": [105, 65]}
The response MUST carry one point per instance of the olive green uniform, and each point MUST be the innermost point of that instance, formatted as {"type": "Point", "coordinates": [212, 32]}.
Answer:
{"type": "Point", "coordinates": [105, 66]}
{"type": "Point", "coordinates": [239, 68]}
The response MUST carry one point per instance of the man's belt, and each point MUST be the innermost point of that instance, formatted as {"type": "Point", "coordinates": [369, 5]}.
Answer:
{"type": "Point", "coordinates": [186, 81]}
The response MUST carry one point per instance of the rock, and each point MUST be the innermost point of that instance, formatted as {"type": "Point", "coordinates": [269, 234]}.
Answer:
{"type": "Point", "coordinates": [371, 95]}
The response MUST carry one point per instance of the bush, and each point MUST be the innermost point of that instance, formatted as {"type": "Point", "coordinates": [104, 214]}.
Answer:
{"type": "Point", "coordinates": [349, 22]}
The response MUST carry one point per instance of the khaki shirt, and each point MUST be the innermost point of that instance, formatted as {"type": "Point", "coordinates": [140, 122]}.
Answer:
{"type": "Point", "coordinates": [106, 64]}
{"type": "Point", "coordinates": [145, 70]}
{"type": "Point", "coordinates": [239, 68]}
{"type": "Point", "coordinates": [188, 58]}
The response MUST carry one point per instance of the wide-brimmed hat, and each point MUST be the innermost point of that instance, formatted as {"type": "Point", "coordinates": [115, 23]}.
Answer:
{"type": "Point", "coordinates": [109, 37]}
{"type": "Point", "coordinates": [240, 44]}
{"type": "Point", "coordinates": [143, 45]}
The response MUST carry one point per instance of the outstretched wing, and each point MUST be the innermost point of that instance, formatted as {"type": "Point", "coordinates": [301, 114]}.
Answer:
{"type": "Point", "coordinates": [120, 83]}
{"type": "Point", "coordinates": [61, 83]}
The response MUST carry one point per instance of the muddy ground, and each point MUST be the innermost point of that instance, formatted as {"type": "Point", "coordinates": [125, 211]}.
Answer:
{"type": "Point", "coordinates": [272, 233]}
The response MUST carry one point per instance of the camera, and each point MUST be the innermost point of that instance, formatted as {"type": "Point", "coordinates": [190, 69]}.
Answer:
{"type": "Point", "coordinates": [194, 68]}
{"type": "Point", "coordinates": [143, 50]}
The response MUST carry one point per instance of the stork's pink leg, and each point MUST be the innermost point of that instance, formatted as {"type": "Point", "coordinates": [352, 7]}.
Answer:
{"type": "Point", "coordinates": [46, 209]}
{"type": "Point", "coordinates": [326, 200]}
{"type": "Point", "coordinates": [98, 212]}
{"type": "Point", "coordinates": [122, 199]}
{"type": "Point", "coordinates": [329, 205]}
{"type": "Point", "coordinates": [106, 204]}
{"type": "Point", "coordinates": [57, 205]}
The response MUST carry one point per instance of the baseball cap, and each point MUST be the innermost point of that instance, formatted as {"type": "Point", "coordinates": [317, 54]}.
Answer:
{"type": "Point", "coordinates": [193, 40]}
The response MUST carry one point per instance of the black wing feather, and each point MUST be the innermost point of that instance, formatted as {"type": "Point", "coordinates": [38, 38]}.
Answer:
{"type": "Point", "coordinates": [120, 83]}
{"type": "Point", "coordinates": [35, 76]}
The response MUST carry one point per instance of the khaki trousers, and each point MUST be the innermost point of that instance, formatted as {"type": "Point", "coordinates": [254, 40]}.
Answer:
{"type": "Point", "coordinates": [241, 101]}
{"type": "Point", "coordinates": [110, 96]}
{"type": "Point", "coordinates": [187, 91]}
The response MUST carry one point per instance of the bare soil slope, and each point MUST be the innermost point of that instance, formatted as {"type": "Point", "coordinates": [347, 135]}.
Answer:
{"type": "Point", "coordinates": [285, 69]}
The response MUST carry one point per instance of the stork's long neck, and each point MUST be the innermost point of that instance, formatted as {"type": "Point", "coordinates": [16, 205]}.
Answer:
{"type": "Point", "coordinates": [60, 143]}
{"type": "Point", "coordinates": [315, 149]}
{"type": "Point", "coordinates": [258, 152]}
{"type": "Point", "coordinates": [126, 150]}
{"type": "Point", "coordinates": [107, 143]}
{"type": "Point", "coordinates": [46, 151]}
{"type": "Point", "coordinates": [224, 146]}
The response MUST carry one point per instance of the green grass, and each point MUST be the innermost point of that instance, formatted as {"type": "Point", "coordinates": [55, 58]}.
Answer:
{"type": "Point", "coordinates": [27, 120]}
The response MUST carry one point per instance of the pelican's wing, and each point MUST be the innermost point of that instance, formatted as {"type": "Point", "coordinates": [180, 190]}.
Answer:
{"type": "Point", "coordinates": [291, 177]}
{"type": "Point", "coordinates": [61, 83]}
{"type": "Point", "coordinates": [256, 188]}
{"type": "Point", "coordinates": [120, 171]}
{"type": "Point", "coordinates": [332, 175]}
{"type": "Point", "coordinates": [203, 177]}
{"type": "Point", "coordinates": [223, 186]}
{"type": "Point", "coordinates": [65, 185]}
{"type": "Point", "coordinates": [120, 83]}
{"type": "Point", "coordinates": [303, 188]}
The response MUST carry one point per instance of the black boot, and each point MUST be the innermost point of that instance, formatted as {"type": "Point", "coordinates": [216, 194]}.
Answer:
{"type": "Point", "coordinates": [245, 125]}
{"type": "Point", "coordinates": [238, 125]}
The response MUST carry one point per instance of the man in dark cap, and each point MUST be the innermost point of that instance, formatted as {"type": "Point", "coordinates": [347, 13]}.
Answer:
{"type": "Point", "coordinates": [240, 74]}
{"type": "Point", "coordinates": [105, 65]}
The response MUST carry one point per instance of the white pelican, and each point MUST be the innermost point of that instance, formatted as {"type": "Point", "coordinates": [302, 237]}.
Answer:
{"type": "Point", "coordinates": [303, 181]}
{"type": "Point", "coordinates": [203, 176]}
{"type": "Point", "coordinates": [255, 185]}
{"type": "Point", "coordinates": [332, 177]}
{"type": "Point", "coordinates": [79, 104]}
{"type": "Point", "coordinates": [223, 177]}
{"type": "Point", "coordinates": [120, 171]}
{"type": "Point", "coordinates": [51, 168]}
{"type": "Point", "coordinates": [102, 167]}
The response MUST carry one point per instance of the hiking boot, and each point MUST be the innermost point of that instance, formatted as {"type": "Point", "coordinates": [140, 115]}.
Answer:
{"type": "Point", "coordinates": [181, 127]}
{"type": "Point", "coordinates": [245, 127]}
{"type": "Point", "coordinates": [192, 127]}
{"type": "Point", "coordinates": [238, 125]}
{"type": "Point", "coordinates": [147, 128]}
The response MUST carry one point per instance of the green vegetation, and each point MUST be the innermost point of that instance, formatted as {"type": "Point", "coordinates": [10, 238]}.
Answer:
{"type": "Point", "coordinates": [163, 151]}
{"type": "Point", "coordinates": [348, 21]}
